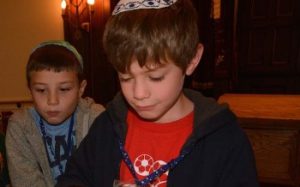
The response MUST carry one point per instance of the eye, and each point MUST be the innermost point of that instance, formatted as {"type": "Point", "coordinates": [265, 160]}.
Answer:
{"type": "Point", "coordinates": [65, 89]}
{"type": "Point", "coordinates": [124, 79]}
{"type": "Point", "coordinates": [157, 79]}
{"type": "Point", "coordinates": [40, 90]}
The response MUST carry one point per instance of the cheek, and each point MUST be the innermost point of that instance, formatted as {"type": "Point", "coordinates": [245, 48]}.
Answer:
{"type": "Point", "coordinates": [33, 94]}
{"type": "Point", "coordinates": [126, 89]}
{"type": "Point", "coordinates": [37, 99]}
{"type": "Point", "coordinates": [73, 95]}
{"type": "Point", "coordinates": [39, 105]}
{"type": "Point", "coordinates": [172, 85]}
{"type": "Point", "coordinates": [70, 99]}
{"type": "Point", "coordinates": [170, 91]}
{"type": "Point", "coordinates": [70, 95]}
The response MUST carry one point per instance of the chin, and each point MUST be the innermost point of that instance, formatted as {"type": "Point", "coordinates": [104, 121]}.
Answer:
{"type": "Point", "coordinates": [148, 117]}
{"type": "Point", "coordinates": [54, 121]}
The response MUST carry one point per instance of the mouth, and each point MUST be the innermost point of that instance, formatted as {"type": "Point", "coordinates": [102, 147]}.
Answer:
{"type": "Point", "coordinates": [144, 108]}
{"type": "Point", "coordinates": [52, 113]}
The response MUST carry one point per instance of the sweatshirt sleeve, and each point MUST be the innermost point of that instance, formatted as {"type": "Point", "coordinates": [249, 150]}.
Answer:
{"type": "Point", "coordinates": [96, 161]}
{"type": "Point", "coordinates": [79, 170]}
{"type": "Point", "coordinates": [239, 167]}
{"type": "Point", "coordinates": [24, 170]}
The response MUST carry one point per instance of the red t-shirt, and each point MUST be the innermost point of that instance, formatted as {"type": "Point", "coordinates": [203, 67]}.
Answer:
{"type": "Point", "coordinates": [150, 145]}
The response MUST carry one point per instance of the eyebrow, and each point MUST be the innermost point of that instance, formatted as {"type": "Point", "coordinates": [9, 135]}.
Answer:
{"type": "Point", "coordinates": [37, 83]}
{"type": "Point", "coordinates": [41, 83]}
{"type": "Point", "coordinates": [156, 67]}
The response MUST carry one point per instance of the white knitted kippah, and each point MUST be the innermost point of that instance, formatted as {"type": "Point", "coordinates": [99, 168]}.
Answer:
{"type": "Point", "coordinates": [61, 43]}
{"type": "Point", "coordinates": [128, 5]}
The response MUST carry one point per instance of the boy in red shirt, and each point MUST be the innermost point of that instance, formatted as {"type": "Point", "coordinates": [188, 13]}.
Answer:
{"type": "Point", "coordinates": [155, 133]}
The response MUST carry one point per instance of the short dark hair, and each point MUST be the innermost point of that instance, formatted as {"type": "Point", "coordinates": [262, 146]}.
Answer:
{"type": "Point", "coordinates": [55, 58]}
{"type": "Point", "coordinates": [154, 34]}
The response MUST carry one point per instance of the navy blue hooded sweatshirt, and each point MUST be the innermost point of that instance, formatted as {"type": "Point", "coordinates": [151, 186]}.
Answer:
{"type": "Point", "coordinates": [221, 154]}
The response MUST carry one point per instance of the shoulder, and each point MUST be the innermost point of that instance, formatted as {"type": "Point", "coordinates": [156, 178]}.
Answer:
{"type": "Point", "coordinates": [20, 124]}
{"type": "Point", "coordinates": [103, 118]}
{"type": "Point", "coordinates": [20, 117]}
{"type": "Point", "coordinates": [88, 105]}
{"type": "Point", "coordinates": [207, 103]}
{"type": "Point", "coordinates": [104, 125]}
{"type": "Point", "coordinates": [208, 112]}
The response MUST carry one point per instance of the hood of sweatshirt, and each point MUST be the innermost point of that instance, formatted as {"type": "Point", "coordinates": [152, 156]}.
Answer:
{"type": "Point", "coordinates": [209, 116]}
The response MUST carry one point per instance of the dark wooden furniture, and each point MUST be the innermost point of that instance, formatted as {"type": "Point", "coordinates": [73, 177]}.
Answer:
{"type": "Point", "coordinates": [252, 48]}
{"type": "Point", "coordinates": [272, 123]}
{"type": "Point", "coordinates": [268, 39]}
{"type": "Point", "coordinates": [101, 77]}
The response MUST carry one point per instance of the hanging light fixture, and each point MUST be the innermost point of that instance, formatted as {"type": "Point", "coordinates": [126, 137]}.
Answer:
{"type": "Point", "coordinates": [78, 13]}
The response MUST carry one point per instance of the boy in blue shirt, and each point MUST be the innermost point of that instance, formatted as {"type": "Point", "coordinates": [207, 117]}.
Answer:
{"type": "Point", "coordinates": [40, 139]}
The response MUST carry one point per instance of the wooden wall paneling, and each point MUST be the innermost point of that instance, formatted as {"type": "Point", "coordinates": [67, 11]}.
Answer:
{"type": "Point", "coordinates": [202, 79]}
{"type": "Point", "coordinates": [265, 58]}
{"type": "Point", "coordinates": [216, 73]}
{"type": "Point", "coordinates": [225, 67]}
{"type": "Point", "coordinates": [100, 75]}
{"type": "Point", "coordinates": [268, 46]}
{"type": "Point", "coordinates": [104, 84]}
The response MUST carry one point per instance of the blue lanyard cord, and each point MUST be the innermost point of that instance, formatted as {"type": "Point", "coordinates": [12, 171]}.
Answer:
{"type": "Point", "coordinates": [128, 162]}
{"type": "Point", "coordinates": [69, 142]}
{"type": "Point", "coordinates": [151, 177]}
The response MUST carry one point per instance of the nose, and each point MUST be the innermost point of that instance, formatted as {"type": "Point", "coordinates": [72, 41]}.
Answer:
{"type": "Point", "coordinates": [53, 98]}
{"type": "Point", "coordinates": [140, 90]}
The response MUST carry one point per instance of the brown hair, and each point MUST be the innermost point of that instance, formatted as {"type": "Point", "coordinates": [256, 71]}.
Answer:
{"type": "Point", "coordinates": [55, 58]}
{"type": "Point", "coordinates": [155, 34]}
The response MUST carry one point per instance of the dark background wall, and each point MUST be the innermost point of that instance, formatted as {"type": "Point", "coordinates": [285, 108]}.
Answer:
{"type": "Point", "coordinates": [254, 47]}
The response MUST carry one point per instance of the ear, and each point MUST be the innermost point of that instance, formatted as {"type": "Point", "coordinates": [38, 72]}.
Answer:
{"type": "Point", "coordinates": [82, 87]}
{"type": "Point", "coordinates": [195, 60]}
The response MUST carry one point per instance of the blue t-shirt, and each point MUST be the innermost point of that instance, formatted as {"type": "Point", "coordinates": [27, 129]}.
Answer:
{"type": "Point", "coordinates": [56, 140]}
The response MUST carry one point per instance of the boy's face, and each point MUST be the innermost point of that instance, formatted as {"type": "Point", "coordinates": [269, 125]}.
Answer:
{"type": "Point", "coordinates": [55, 94]}
{"type": "Point", "coordinates": [155, 93]}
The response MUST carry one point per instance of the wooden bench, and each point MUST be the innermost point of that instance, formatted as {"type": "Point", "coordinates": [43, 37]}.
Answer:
{"type": "Point", "coordinates": [272, 123]}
